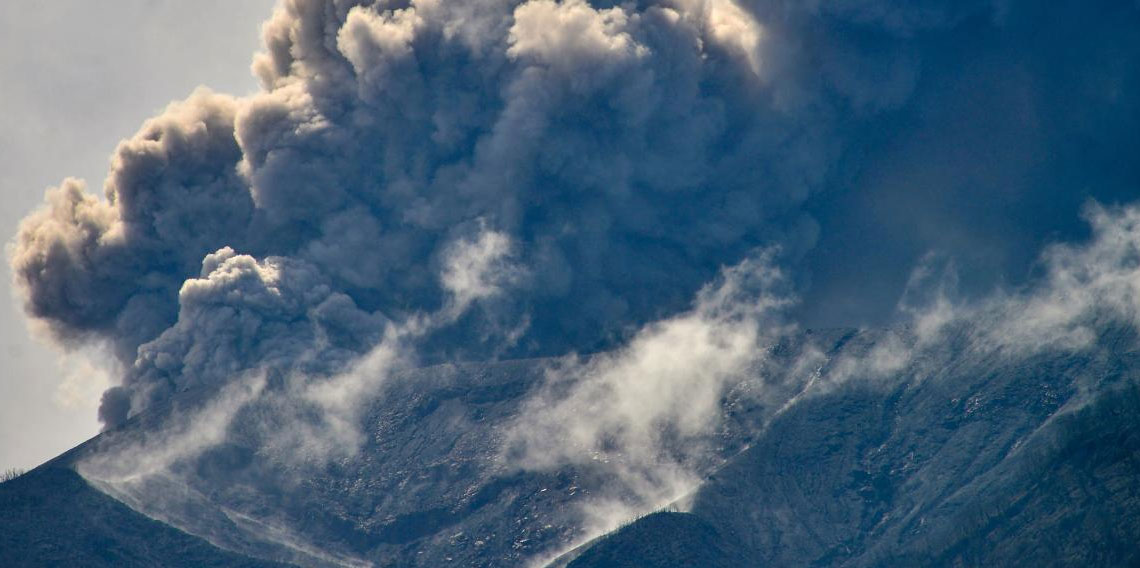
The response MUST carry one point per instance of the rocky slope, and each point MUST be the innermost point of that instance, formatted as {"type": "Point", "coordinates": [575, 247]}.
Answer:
{"type": "Point", "coordinates": [52, 517]}
{"type": "Point", "coordinates": [983, 462]}
{"type": "Point", "coordinates": [962, 455]}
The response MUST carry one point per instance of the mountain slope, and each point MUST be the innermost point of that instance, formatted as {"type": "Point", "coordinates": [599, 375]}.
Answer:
{"type": "Point", "coordinates": [664, 539]}
{"type": "Point", "coordinates": [965, 455]}
{"type": "Point", "coordinates": [983, 462]}
{"type": "Point", "coordinates": [427, 486]}
{"type": "Point", "coordinates": [51, 517]}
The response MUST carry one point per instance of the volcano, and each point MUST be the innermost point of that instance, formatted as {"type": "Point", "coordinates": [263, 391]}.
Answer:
{"type": "Point", "coordinates": [596, 283]}
{"type": "Point", "coordinates": [962, 457]}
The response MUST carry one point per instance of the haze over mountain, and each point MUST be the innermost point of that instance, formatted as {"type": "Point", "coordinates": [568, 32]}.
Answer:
{"type": "Point", "coordinates": [847, 282]}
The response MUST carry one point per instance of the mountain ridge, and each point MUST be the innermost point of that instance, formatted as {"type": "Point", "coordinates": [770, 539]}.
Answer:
{"type": "Point", "coordinates": [936, 465]}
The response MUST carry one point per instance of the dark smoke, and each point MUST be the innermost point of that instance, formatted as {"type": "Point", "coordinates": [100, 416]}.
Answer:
{"type": "Point", "coordinates": [621, 153]}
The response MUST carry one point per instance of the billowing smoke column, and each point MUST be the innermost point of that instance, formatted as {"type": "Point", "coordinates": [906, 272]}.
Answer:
{"type": "Point", "coordinates": [541, 176]}
{"type": "Point", "coordinates": [622, 149]}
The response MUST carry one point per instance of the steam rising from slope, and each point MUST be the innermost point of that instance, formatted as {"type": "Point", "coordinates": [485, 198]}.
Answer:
{"type": "Point", "coordinates": [648, 408]}
{"type": "Point", "coordinates": [649, 412]}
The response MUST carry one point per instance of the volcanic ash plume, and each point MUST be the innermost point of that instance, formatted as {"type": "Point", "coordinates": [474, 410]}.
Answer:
{"type": "Point", "coordinates": [623, 154]}
{"type": "Point", "coordinates": [597, 163]}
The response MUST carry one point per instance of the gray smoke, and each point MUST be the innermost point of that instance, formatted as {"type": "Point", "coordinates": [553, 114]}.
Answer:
{"type": "Point", "coordinates": [537, 177]}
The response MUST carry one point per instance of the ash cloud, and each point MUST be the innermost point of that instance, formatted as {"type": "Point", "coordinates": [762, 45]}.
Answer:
{"type": "Point", "coordinates": [624, 150]}
{"type": "Point", "coordinates": [541, 177]}
{"type": "Point", "coordinates": [656, 191]}
{"type": "Point", "coordinates": [109, 269]}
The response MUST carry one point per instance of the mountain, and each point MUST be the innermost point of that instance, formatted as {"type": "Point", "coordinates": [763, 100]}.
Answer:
{"type": "Point", "coordinates": [963, 455]}
{"type": "Point", "coordinates": [986, 462]}
{"type": "Point", "coordinates": [52, 517]}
